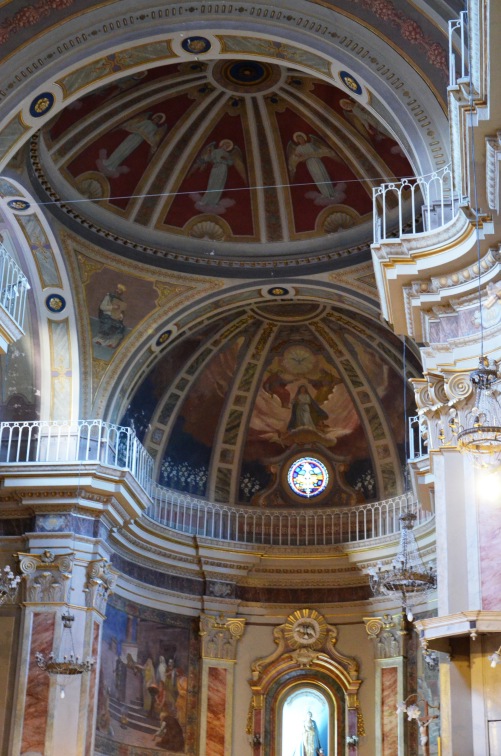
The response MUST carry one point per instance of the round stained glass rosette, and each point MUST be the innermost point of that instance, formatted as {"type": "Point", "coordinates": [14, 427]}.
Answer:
{"type": "Point", "coordinates": [307, 477]}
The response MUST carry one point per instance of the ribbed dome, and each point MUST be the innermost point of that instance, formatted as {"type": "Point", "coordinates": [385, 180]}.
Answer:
{"type": "Point", "coordinates": [260, 158]}
{"type": "Point", "coordinates": [228, 409]}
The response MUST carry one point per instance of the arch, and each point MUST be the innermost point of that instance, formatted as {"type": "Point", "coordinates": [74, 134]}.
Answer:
{"type": "Point", "coordinates": [306, 660]}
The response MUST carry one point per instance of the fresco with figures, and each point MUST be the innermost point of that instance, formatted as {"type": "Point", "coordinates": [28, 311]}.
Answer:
{"type": "Point", "coordinates": [316, 387]}
{"type": "Point", "coordinates": [147, 701]}
{"type": "Point", "coordinates": [187, 148]}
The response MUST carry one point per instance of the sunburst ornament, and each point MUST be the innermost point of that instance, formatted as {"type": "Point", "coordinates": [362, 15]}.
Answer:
{"type": "Point", "coordinates": [305, 628]}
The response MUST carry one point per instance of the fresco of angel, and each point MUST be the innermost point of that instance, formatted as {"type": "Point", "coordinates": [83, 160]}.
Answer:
{"type": "Point", "coordinates": [146, 127]}
{"type": "Point", "coordinates": [311, 149]}
{"type": "Point", "coordinates": [365, 123]}
{"type": "Point", "coordinates": [221, 157]}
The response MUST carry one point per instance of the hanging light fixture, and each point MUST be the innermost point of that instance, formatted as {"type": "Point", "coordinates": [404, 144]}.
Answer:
{"type": "Point", "coordinates": [9, 585]}
{"type": "Point", "coordinates": [482, 436]}
{"type": "Point", "coordinates": [407, 577]}
{"type": "Point", "coordinates": [68, 664]}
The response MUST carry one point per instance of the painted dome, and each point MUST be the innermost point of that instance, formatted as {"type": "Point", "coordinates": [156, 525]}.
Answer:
{"type": "Point", "coordinates": [248, 159]}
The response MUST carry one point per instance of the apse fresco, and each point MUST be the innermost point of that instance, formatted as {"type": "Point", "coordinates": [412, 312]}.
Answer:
{"type": "Point", "coordinates": [186, 460]}
{"type": "Point", "coordinates": [250, 151]}
{"type": "Point", "coordinates": [147, 700]}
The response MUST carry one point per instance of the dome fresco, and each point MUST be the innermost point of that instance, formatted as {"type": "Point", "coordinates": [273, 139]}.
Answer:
{"type": "Point", "coordinates": [226, 411]}
{"type": "Point", "coordinates": [241, 153]}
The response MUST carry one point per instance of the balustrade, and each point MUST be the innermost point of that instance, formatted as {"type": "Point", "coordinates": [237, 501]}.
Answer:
{"type": "Point", "coordinates": [13, 288]}
{"type": "Point", "coordinates": [95, 441]}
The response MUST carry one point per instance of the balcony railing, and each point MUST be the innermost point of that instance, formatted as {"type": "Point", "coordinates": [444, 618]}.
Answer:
{"type": "Point", "coordinates": [93, 441]}
{"type": "Point", "coordinates": [13, 288]}
{"type": "Point", "coordinates": [414, 205]}
{"type": "Point", "coordinates": [458, 69]}
{"type": "Point", "coordinates": [418, 437]}
{"type": "Point", "coordinates": [312, 527]}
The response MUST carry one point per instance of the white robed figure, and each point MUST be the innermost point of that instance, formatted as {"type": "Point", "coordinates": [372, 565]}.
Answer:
{"type": "Point", "coordinates": [143, 127]}
{"type": "Point", "coordinates": [311, 149]}
{"type": "Point", "coordinates": [221, 157]}
{"type": "Point", "coordinates": [310, 742]}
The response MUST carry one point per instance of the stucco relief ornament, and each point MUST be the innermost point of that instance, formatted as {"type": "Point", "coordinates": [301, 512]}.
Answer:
{"type": "Point", "coordinates": [303, 637]}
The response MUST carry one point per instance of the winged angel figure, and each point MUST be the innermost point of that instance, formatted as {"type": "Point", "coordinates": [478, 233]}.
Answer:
{"type": "Point", "coordinates": [221, 157]}
{"type": "Point", "coordinates": [311, 149]}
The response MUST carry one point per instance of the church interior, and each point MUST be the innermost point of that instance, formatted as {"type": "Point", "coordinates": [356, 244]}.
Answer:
{"type": "Point", "coordinates": [250, 376]}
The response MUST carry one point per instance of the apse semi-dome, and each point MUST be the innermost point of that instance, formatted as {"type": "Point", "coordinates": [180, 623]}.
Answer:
{"type": "Point", "coordinates": [252, 159]}
{"type": "Point", "coordinates": [277, 405]}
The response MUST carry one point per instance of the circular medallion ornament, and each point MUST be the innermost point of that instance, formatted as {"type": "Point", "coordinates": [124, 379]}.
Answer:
{"type": "Point", "coordinates": [305, 627]}
{"type": "Point", "coordinates": [55, 303]}
{"type": "Point", "coordinates": [278, 291]}
{"type": "Point", "coordinates": [42, 104]}
{"type": "Point", "coordinates": [196, 45]}
{"type": "Point", "coordinates": [18, 204]}
{"type": "Point", "coordinates": [307, 477]}
{"type": "Point", "coordinates": [350, 82]}
{"type": "Point", "coordinates": [163, 338]}
{"type": "Point", "coordinates": [246, 76]}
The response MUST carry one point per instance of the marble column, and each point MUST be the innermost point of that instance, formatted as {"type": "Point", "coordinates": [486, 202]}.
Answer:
{"type": "Point", "coordinates": [389, 637]}
{"type": "Point", "coordinates": [219, 639]}
{"type": "Point", "coordinates": [55, 714]}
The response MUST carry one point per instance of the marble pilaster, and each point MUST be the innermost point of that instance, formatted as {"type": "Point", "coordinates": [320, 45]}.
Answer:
{"type": "Point", "coordinates": [44, 703]}
{"type": "Point", "coordinates": [389, 637]}
{"type": "Point", "coordinates": [219, 639]}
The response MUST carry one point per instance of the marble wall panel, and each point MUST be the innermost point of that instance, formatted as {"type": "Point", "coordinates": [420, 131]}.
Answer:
{"type": "Point", "coordinates": [37, 692]}
{"type": "Point", "coordinates": [389, 721]}
{"type": "Point", "coordinates": [216, 711]}
{"type": "Point", "coordinates": [489, 532]}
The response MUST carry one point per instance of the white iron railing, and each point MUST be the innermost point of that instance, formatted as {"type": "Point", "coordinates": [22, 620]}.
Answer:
{"type": "Point", "coordinates": [95, 441]}
{"type": "Point", "coordinates": [83, 441]}
{"type": "Point", "coordinates": [458, 25]}
{"type": "Point", "coordinates": [13, 288]}
{"type": "Point", "coordinates": [279, 527]}
{"type": "Point", "coordinates": [413, 205]}
{"type": "Point", "coordinates": [418, 443]}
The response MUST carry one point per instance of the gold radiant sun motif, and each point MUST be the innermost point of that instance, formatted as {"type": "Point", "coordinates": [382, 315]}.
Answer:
{"type": "Point", "coordinates": [305, 627]}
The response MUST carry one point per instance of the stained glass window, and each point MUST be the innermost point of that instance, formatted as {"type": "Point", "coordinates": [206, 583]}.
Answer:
{"type": "Point", "coordinates": [307, 477]}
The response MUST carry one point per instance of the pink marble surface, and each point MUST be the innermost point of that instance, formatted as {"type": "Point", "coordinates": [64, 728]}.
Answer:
{"type": "Point", "coordinates": [389, 721]}
{"type": "Point", "coordinates": [92, 691]}
{"type": "Point", "coordinates": [36, 708]}
{"type": "Point", "coordinates": [489, 533]}
{"type": "Point", "coordinates": [216, 712]}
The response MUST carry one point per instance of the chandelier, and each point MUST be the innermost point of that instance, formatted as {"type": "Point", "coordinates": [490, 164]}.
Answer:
{"type": "Point", "coordinates": [68, 665]}
{"type": "Point", "coordinates": [9, 584]}
{"type": "Point", "coordinates": [481, 439]}
{"type": "Point", "coordinates": [407, 577]}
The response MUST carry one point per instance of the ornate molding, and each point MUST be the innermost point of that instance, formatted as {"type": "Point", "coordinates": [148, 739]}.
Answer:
{"type": "Point", "coordinates": [220, 636]}
{"type": "Point", "coordinates": [304, 638]}
{"type": "Point", "coordinates": [46, 576]}
{"type": "Point", "coordinates": [101, 579]}
{"type": "Point", "coordinates": [493, 156]}
{"type": "Point", "coordinates": [388, 634]}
